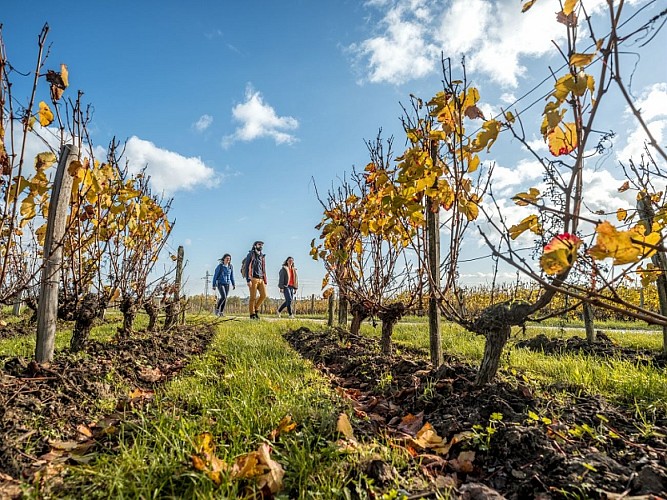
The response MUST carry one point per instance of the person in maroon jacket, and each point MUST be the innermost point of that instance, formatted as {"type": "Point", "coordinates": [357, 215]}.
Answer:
{"type": "Point", "coordinates": [288, 282]}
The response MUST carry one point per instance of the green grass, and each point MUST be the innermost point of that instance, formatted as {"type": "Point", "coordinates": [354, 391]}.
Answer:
{"type": "Point", "coordinates": [619, 380]}
{"type": "Point", "coordinates": [239, 390]}
{"type": "Point", "coordinates": [24, 345]}
{"type": "Point", "coordinates": [249, 379]}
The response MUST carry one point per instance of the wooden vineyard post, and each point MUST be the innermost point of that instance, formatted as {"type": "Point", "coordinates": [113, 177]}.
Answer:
{"type": "Point", "coordinates": [330, 312]}
{"type": "Point", "coordinates": [47, 308]}
{"type": "Point", "coordinates": [659, 260]}
{"type": "Point", "coordinates": [433, 238]}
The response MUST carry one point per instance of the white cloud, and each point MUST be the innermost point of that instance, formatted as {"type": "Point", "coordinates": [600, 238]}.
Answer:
{"type": "Point", "coordinates": [203, 123]}
{"type": "Point", "coordinates": [505, 178]}
{"type": "Point", "coordinates": [493, 34]}
{"type": "Point", "coordinates": [258, 120]}
{"type": "Point", "coordinates": [169, 171]}
{"type": "Point", "coordinates": [402, 52]}
{"type": "Point", "coordinates": [653, 107]}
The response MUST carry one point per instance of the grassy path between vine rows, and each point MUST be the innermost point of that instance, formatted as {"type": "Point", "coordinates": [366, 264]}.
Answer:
{"type": "Point", "coordinates": [222, 425]}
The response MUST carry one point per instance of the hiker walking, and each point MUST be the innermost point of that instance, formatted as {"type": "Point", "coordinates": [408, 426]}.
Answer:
{"type": "Point", "coordinates": [254, 270]}
{"type": "Point", "coordinates": [288, 282]}
{"type": "Point", "coordinates": [222, 278]}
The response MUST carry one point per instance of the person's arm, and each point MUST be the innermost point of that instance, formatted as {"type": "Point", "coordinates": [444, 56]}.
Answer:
{"type": "Point", "coordinates": [231, 275]}
{"type": "Point", "coordinates": [216, 275]}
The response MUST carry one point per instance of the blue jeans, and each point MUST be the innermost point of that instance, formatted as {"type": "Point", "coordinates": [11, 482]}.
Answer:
{"type": "Point", "coordinates": [288, 291]}
{"type": "Point", "coordinates": [222, 301]}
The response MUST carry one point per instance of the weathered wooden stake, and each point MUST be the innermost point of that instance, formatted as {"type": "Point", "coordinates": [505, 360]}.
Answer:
{"type": "Point", "coordinates": [179, 279]}
{"type": "Point", "coordinates": [591, 337]}
{"type": "Point", "coordinates": [330, 311]}
{"type": "Point", "coordinates": [659, 260]}
{"type": "Point", "coordinates": [433, 235]}
{"type": "Point", "coordinates": [47, 309]}
{"type": "Point", "coordinates": [18, 302]}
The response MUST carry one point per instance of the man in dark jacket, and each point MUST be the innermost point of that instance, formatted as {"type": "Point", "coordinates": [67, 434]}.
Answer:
{"type": "Point", "coordinates": [255, 272]}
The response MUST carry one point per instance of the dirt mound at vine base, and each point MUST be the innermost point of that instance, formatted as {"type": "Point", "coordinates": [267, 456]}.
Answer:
{"type": "Point", "coordinates": [602, 347]}
{"type": "Point", "coordinates": [51, 415]}
{"type": "Point", "coordinates": [540, 447]}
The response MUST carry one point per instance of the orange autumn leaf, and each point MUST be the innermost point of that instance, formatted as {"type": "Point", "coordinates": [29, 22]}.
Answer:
{"type": "Point", "coordinates": [560, 253]}
{"type": "Point", "coordinates": [427, 438]}
{"type": "Point", "coordinates": [562, 140]}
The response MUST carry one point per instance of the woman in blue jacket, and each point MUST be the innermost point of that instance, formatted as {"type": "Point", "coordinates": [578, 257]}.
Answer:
{"type": "Point", "coordinates": [222, 278]}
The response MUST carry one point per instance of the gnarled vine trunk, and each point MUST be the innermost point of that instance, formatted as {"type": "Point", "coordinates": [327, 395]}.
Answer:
{"type": "Point", "coordinates": [171, 313]}
{"type": "Point", "coordinates": [152, 311]}
{"type": "Point", "coordinates": [493, 349]}
{"type": "Point", "coordinates": [128, 306]}
{"type": "Point", "coordinates": [390, 315]}
{"type": "Point", "coordinates": [495, 323]}
{"type": "Point", "coordinates": [85, 316]}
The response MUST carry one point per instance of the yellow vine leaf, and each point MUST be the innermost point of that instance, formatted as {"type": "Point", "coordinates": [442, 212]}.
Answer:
{"type": "Point", "coordinates": [64, 75]}
{"type": "Point", "coordinates": [486, 138]}
{"type": "Point", "coordinates": [344, 427]}
{"type": "Point", "coordinates": [563, 139]}
{"type": "Point", "coordinates": [648, 275]}
{"type": "Point", "coordinates": [44, 161]}
{"type": "Point", "coordinates": [473, 164]}
{"type": "Point", "coordinates": [445, 194]}
{"type": "Point", "coordinates": [560, 253]}
{"type": "Point", "coordinates": [527, 198]}
{"type": "Point", "coordinates": [470, 208]}
{"type": "Point", "coordinates": [625, 247]}
{"type": "Point", "coordinates": [527, 5]}
{"type": "Point", "coordinates": [581, 60]}
{"type": "Point", "coordinates": [529, 223]}
{"type": "Point", "coordinates": [45, 114]}
{"type": "Point", "coordinates": [569, 6]}
{"type": "Point", "coordinates": [621, 214]}
{"type": "Point", "coordinates": [28, 208]}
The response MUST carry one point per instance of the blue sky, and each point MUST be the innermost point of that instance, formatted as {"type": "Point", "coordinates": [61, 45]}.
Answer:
{"type": "Point", "coordinates": [237, 107]}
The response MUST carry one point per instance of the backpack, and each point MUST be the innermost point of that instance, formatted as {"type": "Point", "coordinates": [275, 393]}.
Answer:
{"type": "Point", "coordinates": [244, 268]}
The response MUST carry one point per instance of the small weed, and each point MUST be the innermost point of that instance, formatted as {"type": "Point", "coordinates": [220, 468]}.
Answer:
{"type": "Point", "coordinates": [429, 391]}
{"type": "Point", "coordinates": [481, 436]}
{"type": "Point", "coordinates": [385, 381]}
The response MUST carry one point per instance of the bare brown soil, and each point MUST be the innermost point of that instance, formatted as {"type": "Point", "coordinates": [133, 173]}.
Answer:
{"type": "Point", "coordinates": [51, 415]}
{"type": "Point", "coordinates": [554, 442]}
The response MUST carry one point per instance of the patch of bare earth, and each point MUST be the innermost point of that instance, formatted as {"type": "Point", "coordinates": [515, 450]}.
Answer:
{"type": "Point", "coordinates": [569, 445]}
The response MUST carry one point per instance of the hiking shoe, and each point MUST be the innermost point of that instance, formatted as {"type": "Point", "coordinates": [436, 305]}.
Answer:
{"type": "Point", "coordinates": [256, 316]}
{"type": "Point", "coordinates": [291, 316]}
{"type": "Point", "coordinates": [278, 313]}
{"type": "Point", "coordinates": [253, 316]}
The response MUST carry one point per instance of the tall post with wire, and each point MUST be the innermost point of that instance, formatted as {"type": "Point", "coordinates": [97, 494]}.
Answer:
{"type": "Point", "coordinates": [206, 282]}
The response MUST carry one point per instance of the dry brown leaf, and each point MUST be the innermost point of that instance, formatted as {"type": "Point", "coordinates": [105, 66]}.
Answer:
{"type": "Point", "coordinates": [473, 112]}
{"type": "Point", "coordinates": [428, 439]}
{"type": "Point", "coordinates": [273, 477]}
{"type": "Point", "coordinates": [285, 425]}
{"type": "Point", "coordinates": [149, 374]}
{"type": "Point", "coordinates": [411, 424]}
{"type": "Point", "coordinates": [85, 430]}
